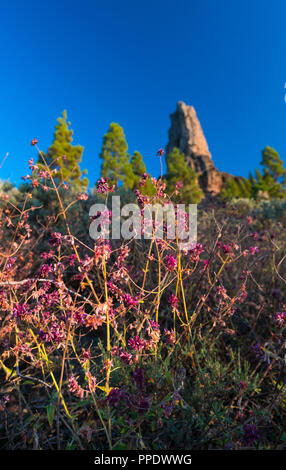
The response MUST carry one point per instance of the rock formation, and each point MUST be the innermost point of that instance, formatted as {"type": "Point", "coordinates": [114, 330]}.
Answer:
{"type": "Point", "coordinates": [186, 134]}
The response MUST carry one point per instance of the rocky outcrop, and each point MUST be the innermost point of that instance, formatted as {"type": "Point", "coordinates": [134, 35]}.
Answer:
{"type": "Point", "coordinates": [187, 135]}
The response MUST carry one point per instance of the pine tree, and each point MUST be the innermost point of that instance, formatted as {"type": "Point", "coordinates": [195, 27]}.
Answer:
{"type": "Point", "coordinates": [178, 170]}
{"type": "Point", "coordinates": [236, 188]}
{"type": "Point", "coordinates": [271, 183]}
{"type": "Point", "coordinates": [116, 165]}
{"type": "Point", "coordinates": [245, 188]}
{"type": "Point", "coordinates": [138, 167]}
{"type": "Point", "coordinates": [66, 157]}
{"type": "Point", "coordinates": [268, 184]}
{"type": "Point", "coordinates": [273, 165]}
{"type": "Point", "coordinates": [230, 189]}
{"type": "Point", "coordinates": [260, 185]}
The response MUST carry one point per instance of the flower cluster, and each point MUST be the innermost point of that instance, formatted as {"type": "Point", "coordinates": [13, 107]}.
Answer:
{"type": "Point", "coordinates": [280, 318]}
{"type": "Point", "coordinates": [250, 433]}
{"type": "Point", "coordinates": [103, 186]}
{"type": "Point", "coordinates": [171, 262]}
{"type": "Point", "coordinates": [113, 329]}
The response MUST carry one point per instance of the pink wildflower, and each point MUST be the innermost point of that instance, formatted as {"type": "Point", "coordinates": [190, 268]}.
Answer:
{"type": "Point", "coordinates": [171, 262]}
{"type": "Point", "coordinates": [173, 301]}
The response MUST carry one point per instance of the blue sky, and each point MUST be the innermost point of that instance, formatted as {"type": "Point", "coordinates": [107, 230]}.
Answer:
{"type": "Point", "coordinates": [130, 62]}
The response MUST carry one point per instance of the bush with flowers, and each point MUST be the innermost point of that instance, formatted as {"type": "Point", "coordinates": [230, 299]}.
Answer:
{"type": "Point", "coordinates": [118, 344]}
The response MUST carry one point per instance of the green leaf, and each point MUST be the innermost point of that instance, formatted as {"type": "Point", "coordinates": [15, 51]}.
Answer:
{"type": "Point", "coordinates": [9, 372]}
{"type": "Point", "coordinates": [169, 378]}
{"type": "Point", "coordinates": [120, 446]}
{"type": "Point", "coordinates": [50, 414]}
{"type": "Point", "coordinates": [82, 403]}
